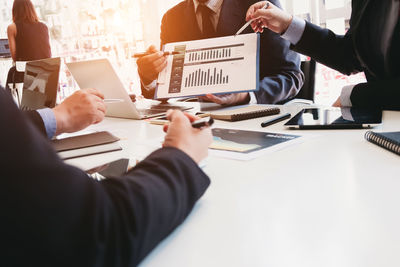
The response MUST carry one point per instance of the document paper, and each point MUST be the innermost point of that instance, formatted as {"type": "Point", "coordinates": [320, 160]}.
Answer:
{"type": "Point", "coordinates": [210, 66]}
{"type": "Point", "coordinates": [247, 145]}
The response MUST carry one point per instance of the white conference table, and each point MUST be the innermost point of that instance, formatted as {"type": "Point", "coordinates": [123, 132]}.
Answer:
{"type": "Point", "coordinates": [332, 200]}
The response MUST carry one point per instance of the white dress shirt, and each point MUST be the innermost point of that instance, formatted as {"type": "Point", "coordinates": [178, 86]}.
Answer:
{"type": "Point", "coordinates": [215, 6]}
{"type": "Point", "coordinates": [49, 121]}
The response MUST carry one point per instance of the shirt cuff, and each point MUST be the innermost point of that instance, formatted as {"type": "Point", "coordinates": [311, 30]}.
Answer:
{"type": "Point", "coordinates": [346, 114]}
{"type": "Point", "coordinates": [295, 31]}
{"type": "Point", "coordinates": [345, 100]}
{"type": "Point", "coordinates": [253, 99]}
{"type": "Point", "coordinates": [49, 121]}
{"type": "Point", "coordinates": [151, 86]}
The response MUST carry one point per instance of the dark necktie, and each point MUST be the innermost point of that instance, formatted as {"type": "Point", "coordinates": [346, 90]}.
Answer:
{"type": "Point", "coordinates": [207, 25]}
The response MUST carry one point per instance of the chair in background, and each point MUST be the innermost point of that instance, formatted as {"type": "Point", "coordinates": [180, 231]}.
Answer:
{"type": "Point", "coordinates": [308, 90]}
{"type": "Point", "coordinates": [15, 80]}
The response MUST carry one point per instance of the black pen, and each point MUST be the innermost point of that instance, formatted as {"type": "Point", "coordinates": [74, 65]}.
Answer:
{"type": "Point", "coordinates": [206, 122]}
{"type": "Point", "coordinates": [275, 120]}
{"type": "Point", "coordinates": [139, 55]}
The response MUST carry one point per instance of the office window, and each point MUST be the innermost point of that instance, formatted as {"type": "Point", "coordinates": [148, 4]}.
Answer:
{"type": "Point", "coordinates": [84, 29]}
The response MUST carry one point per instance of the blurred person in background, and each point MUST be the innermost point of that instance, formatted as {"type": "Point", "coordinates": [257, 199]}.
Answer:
{"type": "Point", "coordinates": [27, 36]}
{"type": "Point", "coordinates": [29, 40]}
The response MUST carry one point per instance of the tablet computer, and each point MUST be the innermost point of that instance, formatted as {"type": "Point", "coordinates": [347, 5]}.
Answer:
{"type": "Point", "coordinates": [40, 84]}
{"type": "Point", "coordinates": [335, 118]}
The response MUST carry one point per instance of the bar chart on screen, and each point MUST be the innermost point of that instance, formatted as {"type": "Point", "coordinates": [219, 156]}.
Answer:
{"type": "Point", "coordinates": [218, 65]}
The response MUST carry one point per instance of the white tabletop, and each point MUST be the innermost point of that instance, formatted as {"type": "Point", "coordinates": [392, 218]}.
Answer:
{"type": "Point", "coordinates": [330, 201]}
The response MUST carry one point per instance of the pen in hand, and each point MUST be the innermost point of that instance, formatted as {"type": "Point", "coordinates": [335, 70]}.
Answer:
{"type": "Point", "coordinates": [276, 120]}
{"type": "Point", "coordinates": [112, 100]}
{"type": "Point", "coordinates": [139, 55]}
{"type": "Point", "coordinates": [198, 124]}
{"type": "Point", "coordinates": [250, 21]}
{"type": "Point", "coordinates": [205, 122]}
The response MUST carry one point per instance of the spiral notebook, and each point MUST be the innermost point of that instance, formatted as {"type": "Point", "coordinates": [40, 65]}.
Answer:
{"type": "Point", "coordinates": [389, 141]}
{"type": "Point", "coordinates": [245, 113]}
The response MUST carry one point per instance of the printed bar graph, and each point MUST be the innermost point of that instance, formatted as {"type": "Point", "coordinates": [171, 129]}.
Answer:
{"type": "Point", "coordinates": [209, 55]}
{"type": "Point", "coordinates": [217, 65]}
{"type": "Point", "coordinates": [212, 55]}
{"type": "Point", "coordinates": [206, 77]}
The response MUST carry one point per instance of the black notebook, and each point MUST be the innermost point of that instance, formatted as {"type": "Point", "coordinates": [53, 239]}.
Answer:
{"type": "Point", "coordinates": [389, 141]}
{"type": "Point", "coordinates": [86, 145]}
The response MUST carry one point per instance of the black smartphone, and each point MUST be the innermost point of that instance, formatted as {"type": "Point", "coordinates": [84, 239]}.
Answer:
{"type": "Point", "coordinates": [112, 169]}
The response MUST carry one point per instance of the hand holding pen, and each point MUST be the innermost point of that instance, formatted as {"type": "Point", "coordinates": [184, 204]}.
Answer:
{"type": "Point", "coordinates": [266, 15]}
{"type": "Point", "coordinates": [150, 64]}
{"type": "Point", "coordinates": [143, 54]}
{"type": "Point", "coordinates": [253, 20]}
{"type": "Point", "coordinates": [182, 135]}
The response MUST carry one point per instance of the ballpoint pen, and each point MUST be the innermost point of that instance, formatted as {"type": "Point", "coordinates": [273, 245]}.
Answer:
{"type": "Point", "coordinates": [275, 120]}
{"type": "Point", "coordinates": [201, 123]}
{"type": "Point", "coordinates": [205, 122]}
{"type": "Point", "coordinates": [113, 100]}
{"type": "Point", "coordinates": [139, 55]}
{"type": "Point", "coordinates": [250, 21]}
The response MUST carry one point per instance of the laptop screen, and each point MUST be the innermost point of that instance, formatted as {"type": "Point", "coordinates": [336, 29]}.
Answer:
{"type": "Point", "coordinates": [4, 48]}
{"type": "Point", "coordinates": [40, 84]}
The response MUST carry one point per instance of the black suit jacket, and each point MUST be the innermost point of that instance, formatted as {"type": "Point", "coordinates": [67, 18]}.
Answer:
{"type": "Point", "coordinates": [53, 214]}
{"type": "Point", "coordinates": [36, 120]}
{"type": "Point", "coordinates": [280, 74]}
{"type": "Point", "coordinates": [371, 45]}
{"type": "Point", "coordinates": [33, 116]}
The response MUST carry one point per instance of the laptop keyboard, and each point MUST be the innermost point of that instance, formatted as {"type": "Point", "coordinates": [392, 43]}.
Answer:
{"type": "Point", "coordinates": [165, 107]}
{"type": "Point", "coordinates": [160, 109]}
{"type": "Point", "coordinates": [147, 112]}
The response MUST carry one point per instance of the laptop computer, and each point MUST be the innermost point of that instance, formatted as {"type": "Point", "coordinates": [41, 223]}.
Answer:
{"type": "Point", "coordinates": [100, 74]}
{"type": "Point", "coordinates": [40, 84]}
{"type": "Point", "coordinates": [4, 49]}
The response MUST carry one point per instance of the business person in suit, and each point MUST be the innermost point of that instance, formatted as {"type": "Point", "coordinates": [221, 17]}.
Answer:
{"type": "Point", "coordinates": [371, 45]}
{"type": "Point", "coordinates": [55, 215]}
{"type": "Point", "coordinates": [280, 74]}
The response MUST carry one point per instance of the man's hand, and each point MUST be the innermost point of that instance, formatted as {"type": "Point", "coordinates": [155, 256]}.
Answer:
{"type": "Point", "coordinates": [83, 108]}
{"type": "Point", "coordinates": [272, 18]}
{"type": "Point", "coordinates": [150, 66]}
{"type": "Point", "coordinates": [337, 103]}
{"type": "Point", "coordinates": [181, 135]}
{"type": "Point", "coordinates": [228, 99]}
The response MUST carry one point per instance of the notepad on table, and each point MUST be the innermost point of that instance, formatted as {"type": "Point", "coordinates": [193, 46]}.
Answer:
{"type": "Point", "coordinates": [389, 140]}
{"type": "Point", "coordinates": [245, 113]}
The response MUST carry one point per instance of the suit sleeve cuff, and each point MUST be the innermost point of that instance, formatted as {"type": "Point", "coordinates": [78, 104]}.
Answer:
{"type": "Point", "coordinates": [295, 31]}
{"type": "Point", "coordinates": [346, 114]}
{"type": "Point", "coordinates": [253, 99]}
{"type": "Point", "coordinates": [49, 121]}
{"type": "Point", "coordinates": [345, 100]}
{"type": "Point", "coordinates": [151, 86]}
